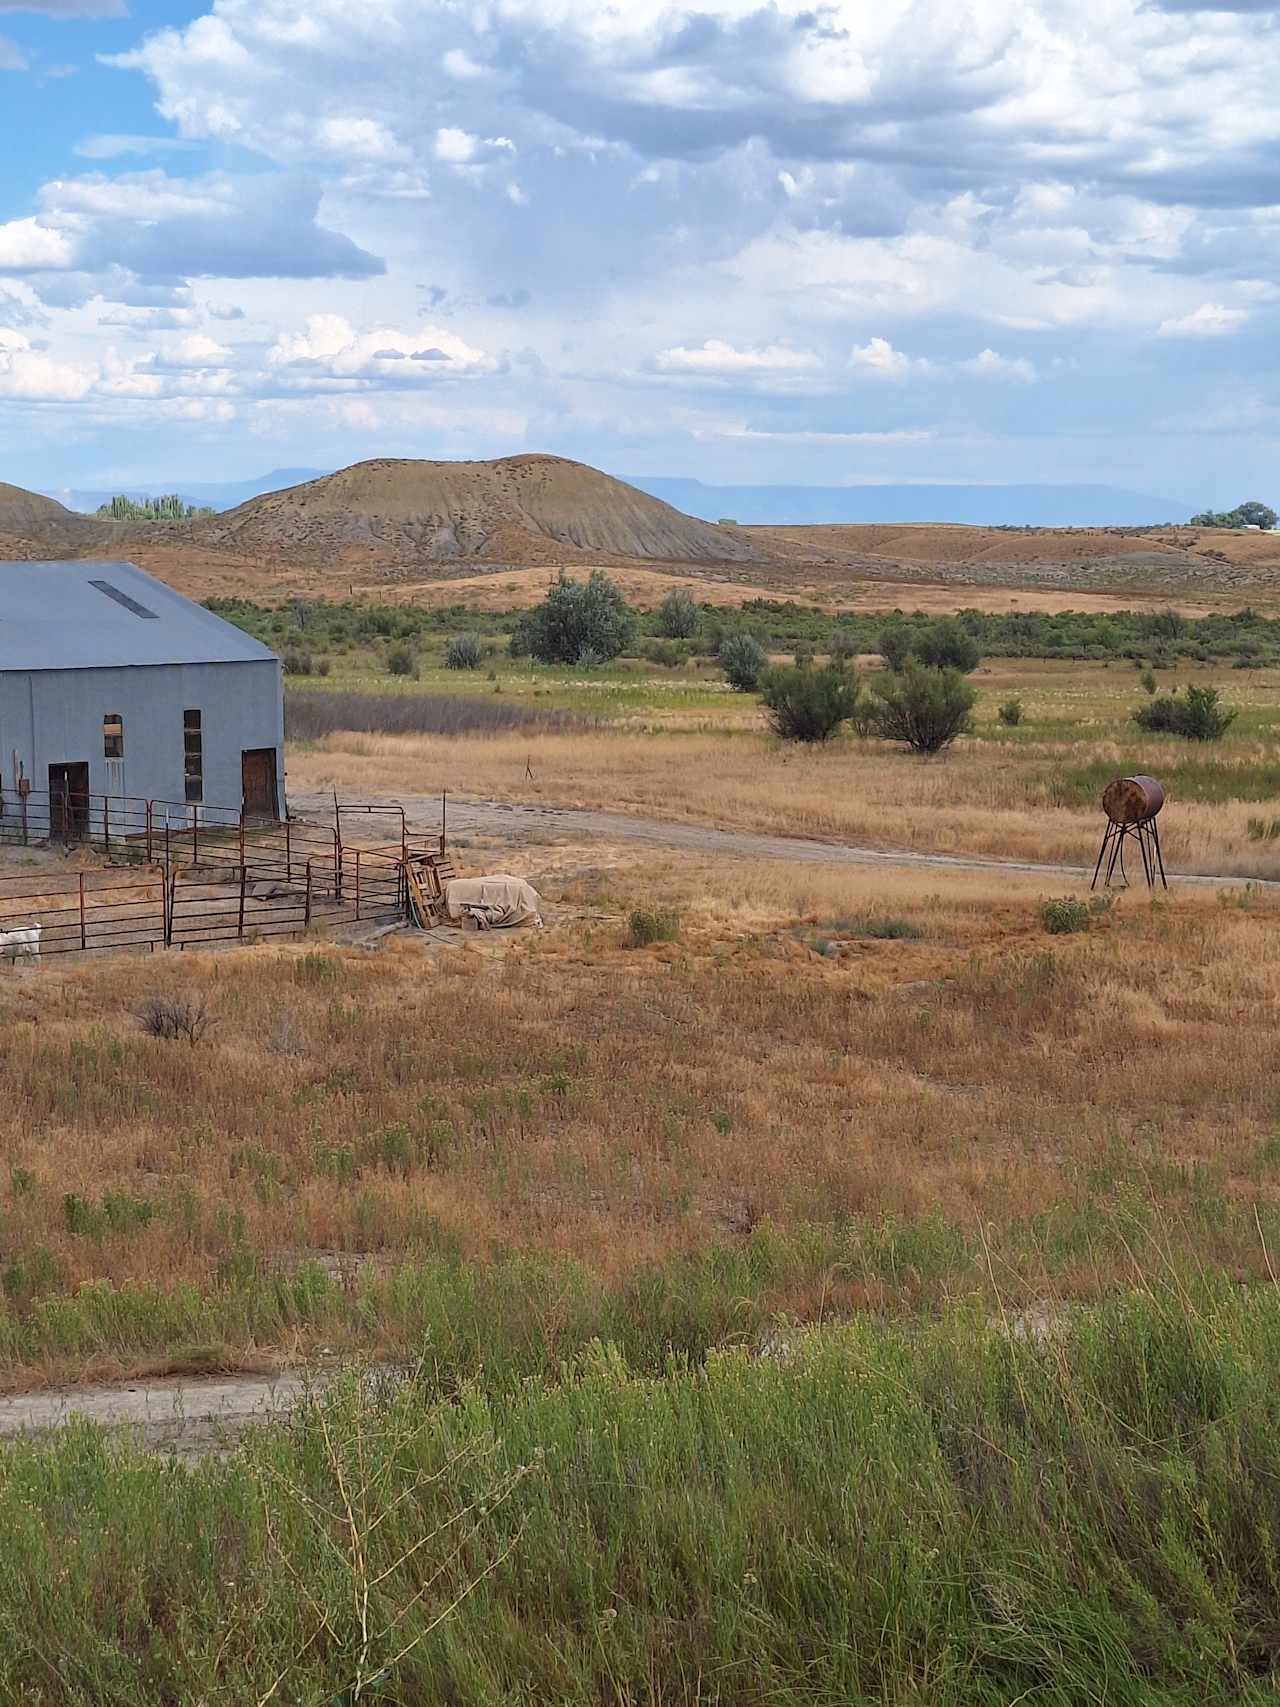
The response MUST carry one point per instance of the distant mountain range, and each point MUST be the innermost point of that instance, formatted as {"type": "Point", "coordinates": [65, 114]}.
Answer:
{"type": "Point", "coordinates": [989, 506]}
{"type": "Point", "coordinates": [983, 506]}
{"type": "Point", "coordinates": [217, 495]}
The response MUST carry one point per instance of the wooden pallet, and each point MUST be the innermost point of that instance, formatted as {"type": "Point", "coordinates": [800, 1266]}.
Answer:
{"type": "Point", "coordinates": [428, 876]}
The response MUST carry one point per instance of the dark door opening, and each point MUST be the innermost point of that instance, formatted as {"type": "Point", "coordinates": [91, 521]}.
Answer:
{"type": "Point", "coordinates": [69, 802]}
{"type": "Point", "coordinates": [258, 780]}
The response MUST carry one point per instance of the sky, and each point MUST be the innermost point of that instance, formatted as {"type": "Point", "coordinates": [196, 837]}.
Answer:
{"type": "Point", "coordinates": [789, 242]}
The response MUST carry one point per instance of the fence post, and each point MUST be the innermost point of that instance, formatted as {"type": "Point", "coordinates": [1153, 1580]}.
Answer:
{"type": "Point", "coordinates": [288, 851]}
{"type": "Point", "coordinates": [84, 935]}
{"type": "Point", "coordinates": [444, 819]}
{"type": "Point", "coordinates": [195, 835]}
{"type": "Point", "coordinates": [357, 883]}
{"type": "Point", "coordinates": [306, 916]}
{"type": "Point", "coordinates": [106, 820]}
{"type": "Point", "coordinates": [170, 882]}
{"type": "Point", "coordinates": [240, 921]}
{"type": "Point", "coordinates": [147, 822]}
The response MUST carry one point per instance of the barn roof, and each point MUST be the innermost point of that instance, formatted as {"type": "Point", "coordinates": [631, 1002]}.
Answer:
{"type": "Point", "coordinates": [98, 615]}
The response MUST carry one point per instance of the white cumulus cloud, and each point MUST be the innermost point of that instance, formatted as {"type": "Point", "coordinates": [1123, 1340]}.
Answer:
{"type": "Point", "coordinates": [1210, 320]}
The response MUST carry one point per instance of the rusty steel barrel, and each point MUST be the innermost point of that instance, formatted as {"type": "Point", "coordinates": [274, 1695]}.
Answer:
{"type": "Point", "coordinates": [1132, 799]}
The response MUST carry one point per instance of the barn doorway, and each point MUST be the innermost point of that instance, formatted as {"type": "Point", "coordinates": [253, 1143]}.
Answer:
{"type": "Point", "coordinates": [69, 802]}
{"type": "Point", "coordinates": [258, 783]}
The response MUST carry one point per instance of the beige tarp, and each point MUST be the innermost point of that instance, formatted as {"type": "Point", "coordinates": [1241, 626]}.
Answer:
{"type": "Point", "coordinates": [493, 901]}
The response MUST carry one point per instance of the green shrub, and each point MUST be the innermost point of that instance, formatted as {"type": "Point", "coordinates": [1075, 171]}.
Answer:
{"type": "Point", "coordinates": [1196, 715]}
{"type": "Point", "coordinates": [804, 655]}
{"type": "Point", "coordinates": [1064, 914]}
{"type": "Point", "coordinates": [647, 925]}
{"type": "Point", "coordinates": [1148, 681]}
{"type": "Point", "coordinates": [895, 645]}
{"type": "Point", "coordinates": [947, 645]}
{"type": "Point", "coordinates": [678, 615]}
{"type": "Point", "coordinates": [742, 658]}
{"type": "Point", "coordinates": [1010, 713]}
{"type": "Point", "coordinates": [464, 652]}
{"type": "Point", "coordinates": [808, 705]}
{"type": "Point", "coordinates": [576, 617]}
{"type": "Point", "coordinates": [401, 662]}
{"type": "Point", "coordinates": [881, 927]}
{"type": "Point", "coordinates": [942, 645]}
{"type": "Point", "coordinates": [663, 652]}
{"type": "Point", "coordinates": [843, 646]}
{"type": "Point", "coordinates": [924, 708]}
{"type": "Point", "coordinates": [297, 663]}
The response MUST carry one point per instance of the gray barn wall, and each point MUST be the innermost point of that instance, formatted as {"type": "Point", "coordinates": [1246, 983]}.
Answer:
{"type": "Point", "coordinates": [55, 717]}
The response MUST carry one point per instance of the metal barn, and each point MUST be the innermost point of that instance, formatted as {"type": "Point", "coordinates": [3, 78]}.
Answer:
{"type": "Point", "coordinates": [114, 686]}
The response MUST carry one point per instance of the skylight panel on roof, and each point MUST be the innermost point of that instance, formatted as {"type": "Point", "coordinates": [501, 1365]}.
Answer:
{"type": "Point", "coordinates": [124, 599]}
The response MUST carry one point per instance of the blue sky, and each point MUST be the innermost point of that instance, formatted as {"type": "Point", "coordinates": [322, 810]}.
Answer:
{"type": "Point", "coordinates": [971, 240]}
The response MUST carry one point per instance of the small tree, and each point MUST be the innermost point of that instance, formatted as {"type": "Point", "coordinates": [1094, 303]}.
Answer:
{"type": "Point", "coordinates": [742, 658]}
{"type": "Point", "coordinates": [678, 615]}
{"type": "Point", "coordinates": [926, 708]}
{"type": "Point", "coordinates": [946, 645]}
{"type": "Point", "coordinates": [843, 647]}
{"type": "Point", "coordinates": [895, 645]}
{"type": "Point", "coordinates": [401, 661]}
{"type": "Point", "coordinates": [576, 617]}
{"type": "Point", "coordinates": [1196, 715]}
{"type": "Point", "coordinates": [808, 705]}
{"type": "Point", "coordinates": [464, 652]}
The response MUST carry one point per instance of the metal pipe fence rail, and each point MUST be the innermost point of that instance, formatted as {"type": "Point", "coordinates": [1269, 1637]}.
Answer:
{"type": "Point", "coordinates": [182, 875]}
{"type": "Point", "coordinates": [79, 912]}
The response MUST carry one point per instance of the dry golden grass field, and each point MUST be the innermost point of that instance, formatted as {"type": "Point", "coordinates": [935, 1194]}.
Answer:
{"type": "Point", "coordinates": [1029, 793]}
{"type": "Point", "coordinates": [817, 1052]}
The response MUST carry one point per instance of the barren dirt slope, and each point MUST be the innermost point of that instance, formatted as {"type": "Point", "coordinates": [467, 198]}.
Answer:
{"type": "Point", "coordinates": [521, 509]}
{"type": "Point", "coordinates": [1183, 559]}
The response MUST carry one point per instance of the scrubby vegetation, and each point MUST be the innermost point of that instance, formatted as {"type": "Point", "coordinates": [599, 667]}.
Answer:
{"type": "Point", "coordinates": [1196, 715]}
{"type": "Point", "coordinates": [1082, 1513]}
{"type": "Point", "coordinates": [743, 659]}
{"type": "Point", "coordinates": [464, 652]}
{"type": "Point", "coordinates": [805, 704]}
{"type": "Point", "coordinates": [1243, 638]}
{"type": "Point", "coordinates": [922, 707]}
{"type": "Point", "coordinates": [577, 620]}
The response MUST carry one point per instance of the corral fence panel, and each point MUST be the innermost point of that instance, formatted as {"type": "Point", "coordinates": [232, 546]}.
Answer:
{"type": "Point", "coordinates": [182, 875]}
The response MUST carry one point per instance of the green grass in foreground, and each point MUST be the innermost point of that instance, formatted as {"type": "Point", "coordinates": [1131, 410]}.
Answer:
{"type": "Point", "coordinates": [948, 1514]}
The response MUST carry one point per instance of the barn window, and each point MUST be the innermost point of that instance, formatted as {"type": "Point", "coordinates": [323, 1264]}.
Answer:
{"type": "Point", "coordinates": [193, 755]}
{"type": "Point", "coordinates": [113, 736]}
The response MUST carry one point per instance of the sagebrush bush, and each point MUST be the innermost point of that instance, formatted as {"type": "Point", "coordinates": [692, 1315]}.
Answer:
{"type": "Point", "coordinates": [742, 658]}
{"type": "Point", "coordinates": [678, 615]}
{"type": "Point", "coordinates": [1064, 914]}
{"type": "Point", "coordinates": [1196, 715]}
{"type": "Point", "coordinates": [647, 925]}
{"type": "Point", "coordinates": [1010, 713]}
{"type": "Point", "coordinates": [464, 652]}
{"type": "Point", "coordinates": [401, 661]}
{"type": "Point", "coordinates": [663, 652]}
{"type": "Point", "coordinates": [186, 1019]}
{"type": "Point", "coordinates": [297, 663]}
{"type": "Point", "coordinates": [808, 705]}
{"type": "Point", "coordinates": [925, 708]}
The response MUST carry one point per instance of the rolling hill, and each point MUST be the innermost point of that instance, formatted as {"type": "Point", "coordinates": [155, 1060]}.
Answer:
{"type": "Point", "coordinates": [405, 514]}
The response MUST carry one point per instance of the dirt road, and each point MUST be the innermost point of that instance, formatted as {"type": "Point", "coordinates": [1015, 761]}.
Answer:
{"type": "Point", "coordinates": [186, 1416]}
{"type": "Point", "coordinates": [532, 825]}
